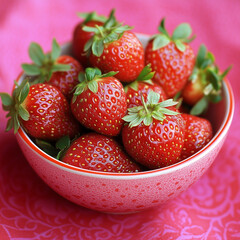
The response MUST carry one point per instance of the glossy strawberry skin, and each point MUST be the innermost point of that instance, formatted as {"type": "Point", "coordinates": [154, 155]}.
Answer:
{"type": "Point", "coordinates": [50, 114]}
{"type": "Point", "coordinates": [100, 153]}
{"type": "Point", "coordinates": [193, 92]}
{"type": "Point", "coordinates": [157, 145]}
{"type": "Point", "coordinates": [134, 98]}
{"type": "Point", "coordinates": [172, 67]}
{"type": "Point", "coordinates": [125, 56]}
{"type": "Point", "coordinates": [198, 132]}
{"type": "Point", "coordinates": [66, 81]}
{"type": "Point", "coordinates": [80, 38]}
{"type": "Point", "coordinates": [102, 111]}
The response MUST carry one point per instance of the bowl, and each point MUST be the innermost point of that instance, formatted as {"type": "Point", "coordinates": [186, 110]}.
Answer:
{"type": "Point", "coordinates": [129, 192]}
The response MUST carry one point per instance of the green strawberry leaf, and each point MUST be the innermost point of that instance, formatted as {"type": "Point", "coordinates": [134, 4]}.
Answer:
{"type": "Point", "coordinates": [167, 103]}
{"type": "Point", "coordinates": [149, 110]}
{"type": "Point", "coordinates": [180, 45]}
{"type": "Point", "coordinates": [224, 74]}
{"type": "Point", "coordinates": [160, 41]}
{"type": "Point", "coordinates": [90, 29]}
{"type": "Point", "coordinates": [36, 53]}
{"type": "Point", "coordinates": [148, 120]}
{"type": "Point", "coordinates": [98, 47]}
{"type": "Point", "coordinates": [6, 99]}
{"type": "Point", "coordinates": [63, 143]}
{"type": "Point", "coordinates": [146, 73]}
{"type": "Point", "coordinates": [214, 79]}
{"type": "Point", "coordinates": [23, 113]}
{"type": "Point", "coordinates": [61, 67]}
{"type": "Point", "coordinates": [162, 29]}
{"type": "Point", "coordinates": [88, 45]}
{"type": "Point", "coordinates": [93, 86]}
{"type": "Point", "coordinates": [9, 124]}
{"type": "Point", "coordinates": [111, 21]}
{"type": "Point", "coordinates": [200, 106]}
{"type": "Point", "coordinates": [81, 77]}
{"type": "Point", "coordinates": [92, 16]}
{"type": "Point", "coordinates": [23, 93]}
{"type": "Point", "coordinates": [214, 98]}
{"type": "Point", "coordinates": [153, 98]}
{"type": "Point", "coordinates": [91, 73]}
{"type": "Point", "coordinates": [201, 55]}
{"type": "Point", "coordinates": [31, 69]}
{"type": "Point", "coordinates": [56, 50]}
{"type": "Point", "coordinates": [47, 147]}
{"type": "Point", "coordinates": [182, 31]}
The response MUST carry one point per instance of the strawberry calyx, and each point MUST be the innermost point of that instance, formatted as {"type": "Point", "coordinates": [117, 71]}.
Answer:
{"type": "Point", "coordinates": [111, 31]}
{"type": "Point", "coordinates": [152, 109]}
{"type": "Point", "coordinates": [89, 79]}
{"type": "Point", "coordinates": [91, 16]}
{"type": "Point", "coordinates": [14, 105]}
{"type": "Point", "coordinates": [180, 35]}
{"type": "Point", "coordinates": [145, 76]}
{"type": "Point", "coordinates": [207, 74]}
{"type": "Point", "coordinates": [43, 64]}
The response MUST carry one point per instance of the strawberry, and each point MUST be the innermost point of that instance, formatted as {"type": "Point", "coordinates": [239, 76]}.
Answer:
{"type": "Point", "coordinates": [141, 87]}
{"type": "Point", "coordinates": [205, 83]}
{"type": "Point", "coordinates": [41, 109]}
{"type": "Point", "coordinates": [59, 71]}
{"type": "Point", "coordinates": [114, 48]}
{"type": "Point", "coordinates": [171, 57]}
{"type": "Point", "coordinates": [99, 102]}
{"type": "Point", "coordinates": [198, 132]}
{"type": "Point", "coordinates": [154, 135]}
{"type": "Point", "coordinates": [97, 152]}
{"type": "Point", "coordinates": [80, 37]}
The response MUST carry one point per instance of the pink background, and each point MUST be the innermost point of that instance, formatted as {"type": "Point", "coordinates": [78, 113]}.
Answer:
{"type": "Point", "coordinates": [210, 209]}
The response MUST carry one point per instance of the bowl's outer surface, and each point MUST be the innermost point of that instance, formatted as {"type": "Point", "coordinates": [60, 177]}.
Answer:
{"type": "Point", "coordinates": [124, 193]}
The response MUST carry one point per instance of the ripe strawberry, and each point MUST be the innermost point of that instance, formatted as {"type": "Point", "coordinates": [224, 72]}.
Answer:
{"type": "Point", "coordinates": [141, 87]}
{"type": "Point", "coordinates": [198, 132]}
{"type": "Point", "coordinates": [154, 135]}
{"type": "Point", "coordinates": [99, 102]}
{"type": "Point", "coordinates": [97, 152]}
{"type": "Point", "coordinates": [114, 48]}
{"type": "Point", "coordinates": [205, 83]}
{"type": "Point", "coordinates": [41, 109]}
{"type": "Point", "coordinates": [59, 71]}
{"type": "Point", "coordinates": [80, 37]}
{"type": "Point", "coordinates": [171, 57]}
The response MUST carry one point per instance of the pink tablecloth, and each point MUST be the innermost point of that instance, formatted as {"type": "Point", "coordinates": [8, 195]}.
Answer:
{"type": "Point", "coordinates": [29, 209]}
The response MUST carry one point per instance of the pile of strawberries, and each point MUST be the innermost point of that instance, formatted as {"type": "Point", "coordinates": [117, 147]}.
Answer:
{"type": "Point", "coordinates": [112, 105]}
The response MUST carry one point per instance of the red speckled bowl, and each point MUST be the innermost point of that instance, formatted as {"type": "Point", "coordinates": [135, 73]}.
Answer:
{"type": "Point", "coordinates": [129, 192]}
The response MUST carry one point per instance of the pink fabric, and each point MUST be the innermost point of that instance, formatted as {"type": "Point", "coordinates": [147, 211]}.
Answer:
{"type": "Point", "coordinates": [210, 209]}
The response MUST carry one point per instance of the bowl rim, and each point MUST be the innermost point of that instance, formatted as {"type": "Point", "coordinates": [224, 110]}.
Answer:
{"type": "Point", "coordinates": [219, 135]}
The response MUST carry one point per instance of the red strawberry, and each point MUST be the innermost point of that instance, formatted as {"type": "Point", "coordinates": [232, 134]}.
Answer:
{"type": "Point", "coordinates": [41, 109]}
{"type": "Point", "coordinates": [141, 87]}
{"type": "Point", "coordinates": [198, 132]}
{"type": "Point", "coordinates": [59, 71]}
{"type": "Point", "coordinates": [99, 102]}
{"type": "Point", "coordinates": [154, 135]}
{"type": "Point", "coordinates": [80, 37]}
{"type": "Point", "coordinates": [171, 58]}
{"type": "Point", "coordinates": [205, 83]}
{"type": "Point", "coordinates": [100, 153]}
{"type": "Point", "coordinates": [114, 48]}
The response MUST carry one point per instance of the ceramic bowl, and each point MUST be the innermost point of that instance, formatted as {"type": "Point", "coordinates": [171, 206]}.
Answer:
{"type": "Point", "coordinates": [129, 192]}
